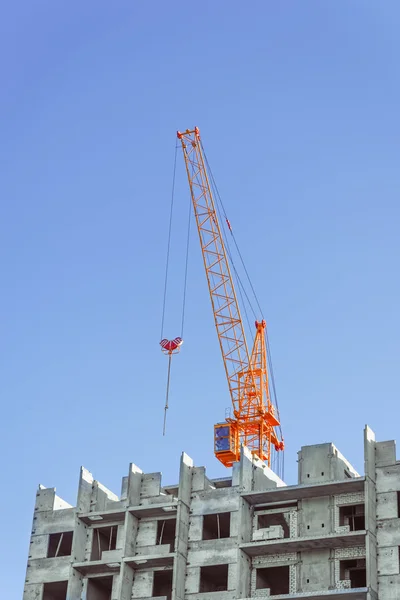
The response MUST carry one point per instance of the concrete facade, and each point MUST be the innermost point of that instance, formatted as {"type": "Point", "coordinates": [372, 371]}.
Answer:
{"type": "Point", "coordinates": [334, 536]}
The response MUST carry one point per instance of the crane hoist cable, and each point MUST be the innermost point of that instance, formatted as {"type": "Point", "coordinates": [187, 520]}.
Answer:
{"type": "Point", "coordinates": [173, 346]}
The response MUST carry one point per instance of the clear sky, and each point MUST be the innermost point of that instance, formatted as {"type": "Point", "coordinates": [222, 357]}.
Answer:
{"type": "Point", "coordinates": [298, 105]}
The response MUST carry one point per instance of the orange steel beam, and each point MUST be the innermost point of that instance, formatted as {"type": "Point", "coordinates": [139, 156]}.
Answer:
{"type": "Point", "coordinates": [254, 419]}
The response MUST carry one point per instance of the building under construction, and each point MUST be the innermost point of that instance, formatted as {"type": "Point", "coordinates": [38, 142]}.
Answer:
{"type": "Point", "coordinates": [334, 536]}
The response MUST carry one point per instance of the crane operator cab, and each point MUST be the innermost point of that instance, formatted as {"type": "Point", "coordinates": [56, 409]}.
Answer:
{"type": "Point", "coordinates": [225, 442]}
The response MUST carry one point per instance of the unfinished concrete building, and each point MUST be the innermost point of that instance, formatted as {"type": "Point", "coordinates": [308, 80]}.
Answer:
{"type": "Point", "coordinates": [334, 536]}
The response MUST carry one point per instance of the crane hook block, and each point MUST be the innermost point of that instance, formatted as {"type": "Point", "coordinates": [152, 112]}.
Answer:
{"type": "Point", "coordinates": [171, 346]}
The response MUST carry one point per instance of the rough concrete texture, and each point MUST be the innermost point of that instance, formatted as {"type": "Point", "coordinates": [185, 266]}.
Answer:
{"type": "Point", "coordinates": [334, 536]}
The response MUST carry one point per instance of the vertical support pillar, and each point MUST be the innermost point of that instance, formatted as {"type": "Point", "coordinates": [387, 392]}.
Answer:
{"type": "Point", "coordinates": [75, 582]}
{"type": "Point", "coordinates": [244, 474]}
{"type": "Point", "coordinates": [370, 512]}
{"type": "Point", "coordinates": [182, 528]}
{"type": "Point", "coordinates": [134, 484]}
{"type": "Point", "coordinates": [75, 585]}
{"type": "Point", "coordinates": [126, 582]}
{"type": "Point", "coordinates": [84, 491]}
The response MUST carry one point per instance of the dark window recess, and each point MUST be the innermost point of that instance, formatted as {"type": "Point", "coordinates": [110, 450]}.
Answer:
{"type": "Point", "coordinates": [347, 474]}
{"type": "Point", "coordinates": [99, 588]}
{"type": "Point", "coordinates": [322, 473]}
{"type": "Point", "coordinates": [162, 584]}
{"type": "Point", "coordinates": [104, 538]}
{"type": "Point", "coordinates": [355, 571]}
{"type": "Point", "coordinates": [60, 544]}
{"type": "Point", "coordinates": [166, 532]}
{"type": "Point", "coordinates": [214, 579]}
{"type": "Point", "coordinates": [269, 520]}
{"type": "Point", "coordinates": [352, 515]}
{"type": "Point", "coordinates": [55, 591]}
{"type": "Point", "coordinates": [276, 579]}
{"type": "Point", "coordinates": [216, 526]}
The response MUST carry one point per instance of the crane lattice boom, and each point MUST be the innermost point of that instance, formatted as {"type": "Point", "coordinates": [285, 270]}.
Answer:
{"type": "Point", "coordinates": [254, 420]}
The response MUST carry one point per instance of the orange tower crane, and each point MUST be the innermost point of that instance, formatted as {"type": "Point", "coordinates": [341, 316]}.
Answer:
{"type": "Point", "coordinates": [255, 420]}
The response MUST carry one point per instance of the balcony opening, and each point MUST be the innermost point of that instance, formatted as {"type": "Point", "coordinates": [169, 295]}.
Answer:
{"type": "Point", "coordinates": [99, 588]}
{"type": "Point", "coordinates": [216, 526]}
{"type": "Point", "coordinates": [214, 579]}
{"type": "Point", "coordinates": [60, 544]}
{"type": "Point", "coordinates": [275, 519]}
{"type": "Point", "coordinates": [55, 591]}
{"type": "Point", "coordinates": [352, 515]}
{"type": "Point", "coordinates": [166, 532]}
{"type": "Point", "coordinates": [104, 538]}
{"type": "Point", "coordinates": [276, 579]}
{"type": "Point", "coordinates": [162, 584]}
{"type": "Point", "coordinates": [355, 571]}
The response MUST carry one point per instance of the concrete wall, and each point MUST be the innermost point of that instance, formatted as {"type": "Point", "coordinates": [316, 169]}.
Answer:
{"type": "Point", "coordinates": [387, 524]}
{"type": "Point", "coordinates": [323, 462]}
{"type": "Point", "coordinates": [312, 559]}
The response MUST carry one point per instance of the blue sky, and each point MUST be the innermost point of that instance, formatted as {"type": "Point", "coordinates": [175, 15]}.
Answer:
{"type": "Point", "coordinates": [298, 107]}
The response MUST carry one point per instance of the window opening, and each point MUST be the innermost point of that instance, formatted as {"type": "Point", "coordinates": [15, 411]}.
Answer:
{"type": "Point", "coordinates": [55, 591]}
{"type": "Point", "coordinates": [166, 532]}
{"type": "Point", "coordinates": [214, 579]}
{"type": "Point", "coordinates": [104, 538]}
{"type": "Point", "coordinates": [276, 579]}
{"type": "Point", "coordinates": [216, 526]}
{"type": "Point", "coordinates": [99, 588]}
{"type": "Point", "coordinates": [162, 584]}
{"type": "Point", "coordinates": [273, 519]}
{"type": "Point", "coordinates": [60, 544]}
{"type": "Point", "coordinates": [355, 571]}
{"type": "Point", "coordinates": [352, 515]}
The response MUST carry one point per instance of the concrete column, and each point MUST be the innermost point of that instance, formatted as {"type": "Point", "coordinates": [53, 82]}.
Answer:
{"type": "Point", "coordinates": [244, 475]}
{"type": "Point", "coordinates": [75, 582]}
{"type": "Point", "coordinates": [75, 585]}
{"type": "Point", "coordinates": [370, 510]}
{"type": "Point", "coordinates": [126, 582]}
{"type": "Point", "coordinates": [134, 485]}
{"type": "Point", "coordinates": [182, 528]}
{"type": "Point", "coordinates": [84, 491]}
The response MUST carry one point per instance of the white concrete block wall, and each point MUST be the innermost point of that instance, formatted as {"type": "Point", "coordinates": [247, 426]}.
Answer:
{"type": "Point", "coordinates": [275, 560]}
{"type": "Point", "coordinates": [343, 500]}
{"type": "Point", "coordinates": [340, 554]}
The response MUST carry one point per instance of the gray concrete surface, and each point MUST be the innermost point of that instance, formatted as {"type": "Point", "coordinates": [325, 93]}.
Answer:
{"type": "Point", "coordinates": [336, 535]}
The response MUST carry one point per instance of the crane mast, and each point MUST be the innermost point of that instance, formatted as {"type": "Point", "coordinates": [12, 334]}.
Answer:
{"type": "Point", "coordinates": [254, 419]}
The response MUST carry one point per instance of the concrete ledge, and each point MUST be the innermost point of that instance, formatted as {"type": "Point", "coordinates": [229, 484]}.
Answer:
{"type": "Point", "coordinates": [344, 540]}
{"type": "Point", "coordinates": [354, 594]}
{"type": "Point", "coordinates": [154, 510]}
{"type": "Point", "coordinates": [150, 561]}
{"type": "Point", "coordinates": [102, 516]}
{"type": "Point", "coordinates": [96, 567]}
{"type": "Point", "coordinates": [297, 492]}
